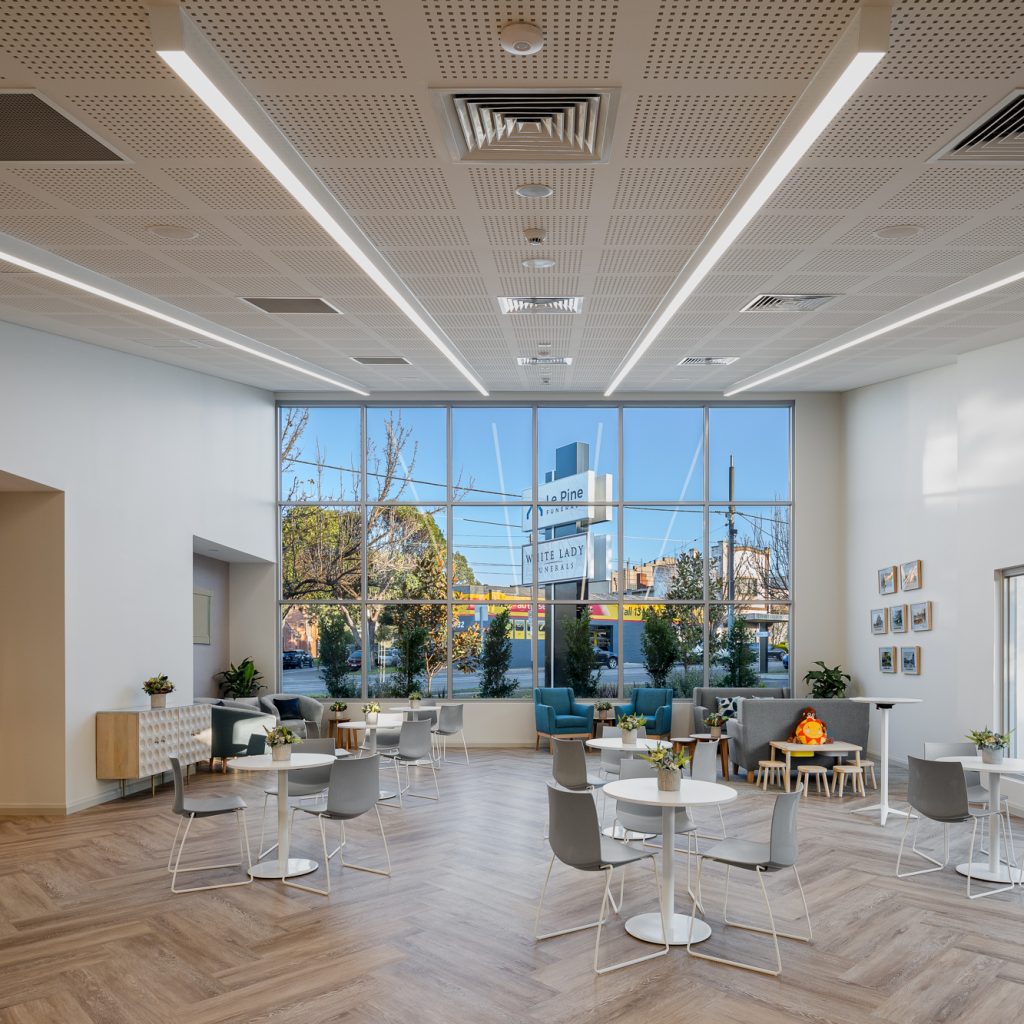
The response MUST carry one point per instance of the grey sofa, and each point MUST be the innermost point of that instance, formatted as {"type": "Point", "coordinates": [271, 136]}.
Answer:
{"type": "Point", "coordinates": [705, 698]}
{"type": "Point", "coordinates": [312, 713]}
{"type": "Point", "coordinates": [761, 721]}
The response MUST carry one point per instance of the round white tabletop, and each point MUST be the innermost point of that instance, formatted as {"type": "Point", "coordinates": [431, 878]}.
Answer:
{"type": "Point", "coordinates": [410, 707]}
{"type": "Point", "coordinates": [283, 866]}
{"type": "Point", "coordinates": [1008, 765]}
{"type": "Point", "coordinates": [879, 701]}
{"type": "Point", "coordinates": [615, 743]}
{"type": "Point", "coordinates": [691, 793]}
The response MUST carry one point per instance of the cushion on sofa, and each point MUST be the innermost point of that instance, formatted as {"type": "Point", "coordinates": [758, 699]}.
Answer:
{"type": "Point", "coordinates": [288, 708]}
{"type": "Point", "coordinates": [729, 707]}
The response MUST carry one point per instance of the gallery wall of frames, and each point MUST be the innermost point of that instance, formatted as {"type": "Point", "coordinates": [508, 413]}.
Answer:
{"type": "Point", "coordinates": [902, 619]}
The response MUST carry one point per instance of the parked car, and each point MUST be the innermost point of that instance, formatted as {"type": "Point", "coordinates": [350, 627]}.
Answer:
{"type": "Point", "coordinates": [774, 653]}
{"type": "Point", "coordinates": [785, 660]}
{"type": "Point", "coordinates": [296, 659]}
{"type": "Point", "coordinates": [354, 661]}
{"type": "Point", "coordinates": [388, 659]}
{"type": "Point", "coordinates": [605, 658]}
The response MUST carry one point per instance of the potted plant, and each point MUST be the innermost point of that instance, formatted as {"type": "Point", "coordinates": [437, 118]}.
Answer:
{"type": "Point", "coordinates": [280, 739]}
{"type": "Point", "coordinates": [990, 744]}
{"type": "Point", "coordinates": [669, 766]}
{"type": "Point", "coordinates": [338, 707]}
{"type": "Point", "coordinates": [371, 711]}
{"type": "Point", "coordinates": [415, 697]}
{"type": "Point", "coordinates": [603, 708]}
{"type": "Point", "coordinates": [158, 687]}
{"type": "Point", "coordinates": [629, 725]}
{"type": "Point", "coordinates": [715, 723]}
{"type": "Point", "coordinates": [827, 682]}
{"type": "Point", "coordinates": [241, 680]}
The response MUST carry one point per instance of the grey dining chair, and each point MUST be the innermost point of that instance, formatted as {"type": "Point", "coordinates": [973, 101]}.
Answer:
{"type": "Point", "coordinates": [188, 808]}
{"type": "Point", "coordinates": [576, 841]}
{"type": "Point", "coordinates": [569, 765]}
{"type": "Point", "coordinates": [303, 784]}
{"type": "Point", "coordinates": [938, 790]}
{"type": "Point", "coordinates": [778, 853]}
{"type": "Point", "coordinates": [704, 768]}
{"type": "Point", "coordinates": [353, 791]}
{"type": "Point", "coordinates": [449, 723]}
{"type": "Point", "coordinates": [413, 748]}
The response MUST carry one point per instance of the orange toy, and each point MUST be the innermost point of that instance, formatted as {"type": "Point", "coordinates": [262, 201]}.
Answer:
{"type": "Point", "coordinates": [810, 730]}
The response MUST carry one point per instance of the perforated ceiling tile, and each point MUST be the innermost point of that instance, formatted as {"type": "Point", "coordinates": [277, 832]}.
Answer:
{"type": "Point", "coordinates": [975, 188]}
{"type": "Point", "coordinates": [427, 261]}
{"type": "Point", "coordinates": [352, 127]}
{"type": "Point", "coordinates": [613, 284]}
{"type": "Point", "coordinates": [12, 198]}
{"type": "Point", "coordinates": [818, 284]}
{"type": "Point", "coordinates": [220, 261]}
{"type": "Point", "coordinates": [317, 261]}
{"type": "Point", "coordinates": [494, 188]}
{"type": "Point", "coordinates": [116, 262]}
{"type": "Point", "coordinates": [439, 231]}
{"type": "Point", "coordinates": [161, 126]}
{"type": "Point", "coordinates": [917, 285]}
{"type": "Point", "coordinates": [579, 39]}
{"type": "Point", "coordinates": [831, 187]}
{"type": "Point", "coordinates": [103, 40]}
{"type": "Point", "coordinates": [656, 229]}
{"type": "Point", "coordinates": [49, 304]}
{"type": "Point", "coordinates": [954, 39]}
{"type": "Point", "coordinates": [932, 228]}
{"type": "Point", "coordinates": [881, 127]}
{"type": "Point", "coordinates": [781, 229]}
{"type": "Point", "coordinates": [866, 260]}
{"type": "Point", "coordinates": [311, 39]}
{"type": "Point", "coordinates": [641, 261]}
{"type": "Point", "coordinates": [249, 284]}
{"type": "Point", "coordinates": [140, 228]}
{"type": "Point", "coordinates": [744, 39]}
{"type": "Point", "coordinates": [458, 306]}
{"type": "Point", "coordinates": [49, 231]}
{"type": "Point", "coordinates": [562, 284]}
{"type": "Point", "coordinates": [282, 229]}
{"type": "Point", "coordinates": [1000, 231]}
{"type": "Point", "coordinates": [746, 259]}
{"type": "Point", "coordinates": [427, 285]}
{"type": "Point", "coordinates": [388, 188]}
{"type": "Point", "coordinates": [567, 261]}
{"type": "Point", "coordinates": [701, 127]}
{"type": "Point", "coordinates": [560, 230]}
{"type": "Point", "coordinates": [957, 261]}
{"type": "Point", "coordinates": [676, 188]}
{"type": "Point", "coordinates": [232, 188]}
{"type": "Point", "coordinates": [100, 188]}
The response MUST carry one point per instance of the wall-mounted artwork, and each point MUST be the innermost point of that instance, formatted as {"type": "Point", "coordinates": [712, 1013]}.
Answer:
{"type": "Point", "coordinates": [879, 621]}
{"type": "Point", "coordinates": [910, 661]}
{"type": "Point", "coordinates": [887, 580]}
{"type": "Point", "coordinates": [201, 600]}
{"type": "Point", "coordinates": [886, 659]}
{"type": "Point", "coordinates": [910, 575]}
{"type": "Point", "coordinates": [921, 617]}
{"type": "Point", "coordinates": [898, 618]}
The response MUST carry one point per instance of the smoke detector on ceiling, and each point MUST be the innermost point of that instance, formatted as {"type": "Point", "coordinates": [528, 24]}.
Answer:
{"type": "Point", "coordinates": [172, 232]}
{"type": "Point", "coordinates": [890, 231]}
{"type": "Point", "coordinates": [521, 39]}
{"type": "Point", "coordinates": [786, 303]}
{"type": "Point", "coordinates": [536, 191]}
{"type": "Point", "coordinates": [535, 236]}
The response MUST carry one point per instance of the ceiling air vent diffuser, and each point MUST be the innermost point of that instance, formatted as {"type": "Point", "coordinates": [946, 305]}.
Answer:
{"type": "Point", "coordinates": [289, 307]}
{"type": "Point", "coordinates": [708, 360]}
{"type": "Point", "coordinates": [36, 131]}
{"type": "Point", "coordinates": [528, 125]}
{"type": "Point", "coordinates": [544, 360]}
{"type": "Point", "coordinates": [540, 304]}
{"type": "Point", "coordinates": [380, 360]}
{"type": "Point", "coordinates": [997, 139]}
{"type": "Point", "coordinates": [786, 303]}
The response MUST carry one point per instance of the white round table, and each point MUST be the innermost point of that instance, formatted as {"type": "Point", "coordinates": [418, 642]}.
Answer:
{"type": "Point", "coordinates": [371, 746]}
{"type": "Point", "coordinates": [884, 705]}
{"type": "Point", "coordinates": [641, 746]}
{"type": "Point", "coordinates": [690, 794]}
{"type": "Point", "coordinates": [282, 866]}
{"type": "Point", "coordinates": [993, 869]}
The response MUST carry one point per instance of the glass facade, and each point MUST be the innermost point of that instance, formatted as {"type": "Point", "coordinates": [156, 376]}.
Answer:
{"type": "Point", "coordinates": [475, 551]}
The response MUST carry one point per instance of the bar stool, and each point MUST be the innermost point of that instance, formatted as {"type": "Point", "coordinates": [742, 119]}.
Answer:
{"type": "Point", "coordinates": [804, 773]}
{"type": "Point", "coordinates": [769, 772]}
{"type": "Point", "coordinates": [853, 772]}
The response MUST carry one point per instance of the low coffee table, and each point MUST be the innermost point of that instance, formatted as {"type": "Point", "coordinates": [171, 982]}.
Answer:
{"type": "Point", "coordinates": [690, 742]}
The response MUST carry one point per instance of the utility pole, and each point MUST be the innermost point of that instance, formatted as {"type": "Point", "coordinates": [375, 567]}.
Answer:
{"type": "Point", "coordinates": [730, 568]}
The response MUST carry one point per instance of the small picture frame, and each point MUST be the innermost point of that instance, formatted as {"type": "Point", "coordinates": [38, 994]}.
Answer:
{"type": "Point", "coordinates": [910, 661]}
{"type": "Point", "coordinates": [888, 580]}
{"type": "Point", "coordinates": [910, 575]}
{"type": "Point", "coordinates": [887, 659]}
{"type": "Point", "coordinates": [921, 617]}
{"type": "Point", "coordinates": [879, 621]}
{"type": "Point", "coordinates": [898, 618]}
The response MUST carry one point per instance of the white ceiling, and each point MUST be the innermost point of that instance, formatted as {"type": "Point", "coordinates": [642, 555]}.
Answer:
{"type": "Point", "coordinates": [701, 85]}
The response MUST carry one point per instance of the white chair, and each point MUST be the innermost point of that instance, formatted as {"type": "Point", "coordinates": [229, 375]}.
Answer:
{"type": "Point", "coordinates": [413, 750]}
{"type": "Point", "coordinates": [611, 759]}
{"type": "Point", "coordinates": [449, 723]}
{"type": "Point", "coordinates": [704, 768]}
{"type": "Point", "coordinates": [389, 726]}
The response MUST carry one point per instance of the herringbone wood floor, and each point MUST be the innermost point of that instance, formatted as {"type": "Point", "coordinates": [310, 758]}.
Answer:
{"type": "Point", "coordinates": [90, 933]}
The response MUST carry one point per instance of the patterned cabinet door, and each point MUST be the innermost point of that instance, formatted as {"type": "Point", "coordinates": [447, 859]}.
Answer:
{"type": "Point", "coordinates": [194, 733]}
{"type": "Point", "coordinates": [158, 740]}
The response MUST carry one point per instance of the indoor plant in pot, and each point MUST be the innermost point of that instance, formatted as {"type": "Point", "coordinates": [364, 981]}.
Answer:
{"type": "Point", "coordinates": [669, 766]}
{"type": "Point", "coordinates": [826, 682]}
{"type": "Point", "coordinates": [241, 680]}
{"type": "Point", "coordinates": [629, 725]}
{"type": "Point", "coordinates": [990, 744]}
{"type": "Point", "coordinates": [715, 722]}
{"type": "Point", "coordinates": [415, 697]}
{"type": "Point", "coordinates": [158, 687]}
{"type": "Point", "coordinates": [280, 739]}
{"type": "Point", "coordinates": [371, 711]}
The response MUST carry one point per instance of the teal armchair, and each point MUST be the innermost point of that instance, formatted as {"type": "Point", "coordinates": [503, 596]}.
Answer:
{"type": "Point", "coordinates": [231, 730]}
{"type": "Point", "coordinates": [558, 714]}
{"type": "Point", "coordinates": [655, 704]}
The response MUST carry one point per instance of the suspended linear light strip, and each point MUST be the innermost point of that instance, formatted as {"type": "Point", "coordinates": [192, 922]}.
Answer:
{"type": "Point", "coordinates": [138, 307]}
{"type": "Point", "coordinates": [199, 82]}
{"type": "Point", "coordinates": [817, 357]}
{"type": "Point", "coordinates": [859, 67]}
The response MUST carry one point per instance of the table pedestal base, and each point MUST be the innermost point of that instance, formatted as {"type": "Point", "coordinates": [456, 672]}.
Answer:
{"type": "Point", "coordinates": [981, 872]}
{"type": "Point", "coordinates": [618, 832]}
{"type": "Point", "coordinates": [275, 869]}
{"type": "Point", "coordinates": [884, 812]}
{"type": "Point", "coordinates": [647, 928]}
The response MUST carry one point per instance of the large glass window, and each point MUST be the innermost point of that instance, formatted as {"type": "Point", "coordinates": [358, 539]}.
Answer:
{"type": "Point", "coordinates": [479, 551]}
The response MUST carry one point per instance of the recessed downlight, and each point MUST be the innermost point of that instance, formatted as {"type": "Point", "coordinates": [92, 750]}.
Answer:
{"type": "Point", "coordinates": [538, 264]}
{"type": "Point", "coordinates": [173, 232]}
{"type": "Point", "coordinates": [890, 231]}
{"type": "Point", "coordinates": [535, 191]}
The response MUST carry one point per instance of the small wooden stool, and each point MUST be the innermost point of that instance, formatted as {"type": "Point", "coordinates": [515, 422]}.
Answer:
{"type": "Point", "coordinates": [853, 772]}
{"type": "Point", "coordinates": [869, 766]}
{"type": "Point", "coordinates": [769, 772]}
{"type": "Point", "coordinates": [804, 773]}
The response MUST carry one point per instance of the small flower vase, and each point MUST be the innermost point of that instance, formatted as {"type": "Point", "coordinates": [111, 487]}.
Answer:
{"type": "Point", "coordinates": [992, 756]}
{"type": "Point", "coordinates": [158, 700]}
{"type": "Point", "coordinates": [715, 731]}
{"type": "Point", "coordinates": [629, 737]}
{"type": "Point", "coordinates": [281, 752]}
{"type": "Point", "coordinates": [669, 779]}
{"type": "Point", "coordinates": [371, 717]}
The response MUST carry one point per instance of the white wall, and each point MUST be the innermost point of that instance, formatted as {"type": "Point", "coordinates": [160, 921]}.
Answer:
{"type": "Point", "coordinates": [208, 659]}
{"type": "Point", "coordinates": [148, 456]}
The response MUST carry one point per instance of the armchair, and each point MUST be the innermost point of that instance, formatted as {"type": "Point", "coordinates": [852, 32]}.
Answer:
{"type": "Point", "coordinates": [312, 713]}
{"type": "Point", "coordinates": [231, 731]}
{"type": "Point", "coordinates": [655, 704]}
{"type": "Point", "coordinates": [558, 714]}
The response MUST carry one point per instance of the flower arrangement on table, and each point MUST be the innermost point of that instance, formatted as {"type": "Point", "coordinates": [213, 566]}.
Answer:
{"type": "Point", "coordinates": [991, 744]}
{"type": "Point", "coordinates": [669, 765]}
{"type": "Point", "coordinates": [602, 708]}
{"type": "Point", "coordinates": [281, 739]}
{"type": "Point", "coordinates": [370, 711]}
{"type": "Point", "coordinates": [337, 707]}
{"type": "Point", "coordinates": [415, 696]}
{"type": "Point", "coordinates": [158, 684]}
{"type": "Point", "coordinates": [715, 722]}
{"type": "Point", "coordinates": [629, 724]}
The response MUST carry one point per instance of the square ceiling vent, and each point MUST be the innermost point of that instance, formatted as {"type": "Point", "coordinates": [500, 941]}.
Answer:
{"type": "Point", "coordinates": [289, 307]}
{"type": "Point", "coordinates": [527, 125]}
{"type": "Point", "coordinates": [544, 360]}
{"type": "Point", "coordinates": [707, 361]}
{"type": "Point", "coordinates": [534, 304]}
{"type": "Point", "coordinates": [998, 138]}
{"type": "Point", "coordinates": [35, 131]}
{"type": "Point", "coordinates": [786, 303]}
{"type": "Point", "coordinates": [380, 360]}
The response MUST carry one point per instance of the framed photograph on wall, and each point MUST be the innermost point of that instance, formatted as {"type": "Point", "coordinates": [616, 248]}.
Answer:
{"type": "Point", "coordinates": [910, 661]}
{"type": "Point", "coordinates": [886, 659]}
{"type": "Point", "coordinates": [921, 617]}
{"type": "Point", "coordinates": [201, 600]}
{"type": "Point", "coordinates": [887, 580]}
{"type": "Point", "coordinates": [898, 618]}
{"type": "Point", "coordinates": [879, 621]}
{"type": "Point", "coordinates": [910, 575]}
